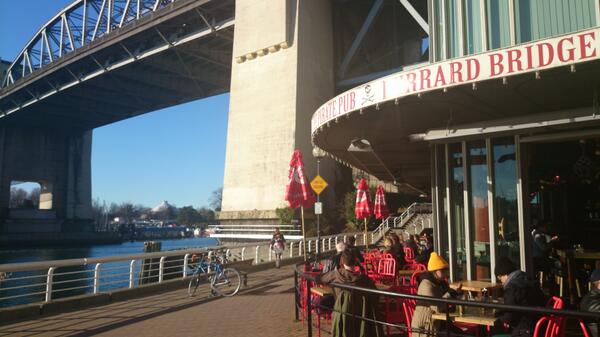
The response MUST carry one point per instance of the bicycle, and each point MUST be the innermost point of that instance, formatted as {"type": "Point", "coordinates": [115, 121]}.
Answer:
{"type": "Point", "coordinates": [223, 281]}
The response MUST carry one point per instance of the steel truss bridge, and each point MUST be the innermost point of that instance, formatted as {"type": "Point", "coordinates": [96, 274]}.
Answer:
{"type": "Point", "coordinates": [100, 61]}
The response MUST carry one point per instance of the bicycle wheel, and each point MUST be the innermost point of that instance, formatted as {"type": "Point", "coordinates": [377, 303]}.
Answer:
{"type": "Point", "coordinates": [193, 286]}
{"type": "Point", "coordinates": [227, 283]}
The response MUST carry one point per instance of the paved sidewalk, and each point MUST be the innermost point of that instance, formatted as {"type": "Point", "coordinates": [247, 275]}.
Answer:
{"type": "Point", "coordinates": [265, 308]}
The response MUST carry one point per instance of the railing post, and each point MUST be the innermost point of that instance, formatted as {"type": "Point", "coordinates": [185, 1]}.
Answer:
{"type": "Point", "coordinates": [336, 240]}
{"type": "Point", "coordinates": [256, 255]}
{"type": "Point", "coordinates": [161, 269]}
{"type": "Point", "coordinates": [97, 278]}
{"type": "Point", "coordinates": [291, 249]}
{"type": "Point", "coordinates": [49, 281]}
{"type": "Point", "coordinates": [131, 273]}
{"type": "Point", "coordinates": [329, 243]}
{"type": "Point", "coordinates": [344, 238]}
{"type": "Point", "coordinates": [270, 252]}
{"type": "Point", "coordinates": [300, 248]}
{"type": "Point", "coordinates": [323, 245]}
{"type": "Point", "coordinates": [308, 308]}
{"type": "Point", "coordinates": [309, 244]}
{"type": "Point", "coordinates": [243, 251]}
{"type": "Point", "coordinates": [185, 264]}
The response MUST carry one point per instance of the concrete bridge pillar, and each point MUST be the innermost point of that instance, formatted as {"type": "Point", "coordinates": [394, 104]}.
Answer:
{"type": "Point", "coordinates": [60, 162]}
{"type": "Point", "coordinates": [282, 72]}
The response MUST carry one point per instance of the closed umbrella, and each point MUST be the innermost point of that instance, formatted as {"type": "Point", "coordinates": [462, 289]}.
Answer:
{"type": "Point", "coordinates": [297, 191]}
{"type": "Point", "coordinates": [381, 208]}
{"type": "Point", "coordinates": [363, 208]}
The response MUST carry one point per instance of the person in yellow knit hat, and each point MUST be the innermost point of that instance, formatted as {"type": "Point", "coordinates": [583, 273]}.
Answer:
{"type": "Point", "coordinates": [433, 284]}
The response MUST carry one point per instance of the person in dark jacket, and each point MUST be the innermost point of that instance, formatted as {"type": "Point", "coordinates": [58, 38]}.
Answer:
{"type": "Point", "coordinates": [334, 262]}
{"type": "Point", "coordinates": [591, 302]}
{"type": "Point", "coordinates": [351, 246]}
{"type": "Point", "coordinates": [350, 306]}
{"type": "Point", "coordinates": [519, 290]}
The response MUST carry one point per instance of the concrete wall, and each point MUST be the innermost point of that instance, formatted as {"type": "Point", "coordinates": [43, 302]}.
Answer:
{"type": "Point", "coordinates": [61, 163]}
{"type": "Point", "coordinates": [281, 74]}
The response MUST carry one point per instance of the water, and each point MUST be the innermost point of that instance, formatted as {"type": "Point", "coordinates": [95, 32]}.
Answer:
{"type": "Point", "coordinates": [74, 280]}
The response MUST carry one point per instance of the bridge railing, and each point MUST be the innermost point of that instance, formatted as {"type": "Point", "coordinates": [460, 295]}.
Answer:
{"type": "Point", "coordinates": [44, 281]}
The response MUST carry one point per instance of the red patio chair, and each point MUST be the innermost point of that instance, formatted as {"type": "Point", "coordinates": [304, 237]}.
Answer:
{"type": "Point", "coordinates": [409, 255]}
{"type": "Point", "coordinates": [584, 329]}
{"type": "Point", "coordinates": [386, 270]}
{"type": "Point", "coordinates": [409, 310]}
{"type": "Point", "coordinates": [555, 303]}
{"type": "Point", "coordinates": [550, 326]}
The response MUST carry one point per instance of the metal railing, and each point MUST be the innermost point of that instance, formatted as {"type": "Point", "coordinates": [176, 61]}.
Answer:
{"type": "Point", "coordinates": [23, 283]}
{"type": "Point", "coordinates": [305, 306]}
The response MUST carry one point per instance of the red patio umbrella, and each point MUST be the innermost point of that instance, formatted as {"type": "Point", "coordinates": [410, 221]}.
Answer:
{"type": "Point", "coordinates": [297, 191]}
{"type": "Point", "coordinates": [363, 208]}
{"type": "Point", "coordinates": [381, 208]}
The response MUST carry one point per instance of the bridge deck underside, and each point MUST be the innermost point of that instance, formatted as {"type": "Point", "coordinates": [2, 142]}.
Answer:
{"type": "Point", "coordinates": [174, 58]}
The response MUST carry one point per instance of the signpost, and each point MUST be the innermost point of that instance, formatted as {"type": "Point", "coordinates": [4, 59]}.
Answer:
{"type": "Point", "coordinates": [318, 184]}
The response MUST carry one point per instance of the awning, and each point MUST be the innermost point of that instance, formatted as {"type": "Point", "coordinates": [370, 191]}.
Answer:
{"type": "Point", "coordinates": [533, 79]}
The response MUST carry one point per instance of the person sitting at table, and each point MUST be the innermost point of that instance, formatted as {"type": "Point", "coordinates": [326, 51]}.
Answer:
{"type": "Point", "coordinates": [433, 284]}
{"type": "Point", "coordinates": [333, 263]}
{"type": "Point", "coordinates": [351, 246]}
{"type": "Point", "coordinates": [351, 308]}
{"type": "Point", "coordinates": [591, 302]}
{"type": "Point", "coordinates": [397, 250]}
{"type": "Point", "coordinates": [519, 290]}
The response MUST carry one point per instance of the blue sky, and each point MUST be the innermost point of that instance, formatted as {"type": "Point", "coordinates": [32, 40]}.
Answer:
{"type": "Point", "coordinates": [175, 154]}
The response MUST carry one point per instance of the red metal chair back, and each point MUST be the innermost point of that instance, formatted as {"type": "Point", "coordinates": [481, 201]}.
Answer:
{"type": "Point", "coordinates": [387, 267]}
{"type": "Point", "coordinates": [550, 326]}
{"type": "Point", "coordinates": [409, 310]}
{"type": "Point", "coordinates": [409, 255]}
{"type": "Point", "coordinates": [555, 303]}
{"type": "Point", "coordinates": [584, 329]}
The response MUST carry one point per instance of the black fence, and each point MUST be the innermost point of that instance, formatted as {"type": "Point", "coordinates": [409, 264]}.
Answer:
{"type": "Point", "coordinates": [305, 306]}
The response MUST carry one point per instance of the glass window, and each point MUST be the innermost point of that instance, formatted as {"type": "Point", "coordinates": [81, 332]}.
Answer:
{"type": "Point", "coordinates": [498, 23]}
{"type": "Point", "coordinates": [538, 19]}
{"type": "Point", "coordinates": [452, 38]}
{"type": "Point", "coordinates": [505, 199]}
{"type": "Point", "coordinates": [479, 218]}
{"type": "Point", "coordinates": [457, 176]}
{"type": "Point", "coordinates": [472, 25]}
{"type": "Point", "coordinates": [442, 198]}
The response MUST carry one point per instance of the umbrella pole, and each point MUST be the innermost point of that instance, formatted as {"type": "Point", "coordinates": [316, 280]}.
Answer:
{"type": "Point", "coordinates": [303, 233]}
{"type": "Point", "coordinates": [365, 237]}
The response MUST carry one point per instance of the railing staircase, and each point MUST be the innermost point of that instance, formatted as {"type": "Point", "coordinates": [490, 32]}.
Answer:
{"type": "Point", "coordinates": [416, 218]}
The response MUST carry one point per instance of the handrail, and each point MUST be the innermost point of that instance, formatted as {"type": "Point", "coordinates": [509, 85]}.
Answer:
{"type": "Point", "coordinates": [42, 281]}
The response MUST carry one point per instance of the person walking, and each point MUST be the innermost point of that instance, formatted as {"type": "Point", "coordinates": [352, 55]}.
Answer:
{"type": "Point", "coordinates": [277, 246]}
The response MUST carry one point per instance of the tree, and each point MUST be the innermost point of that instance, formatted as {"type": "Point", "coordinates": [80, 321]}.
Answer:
{"type": "Point", "coordinates": [216, 199]}
{"type": "Point", "coordinates": [188, 216]}
{"type": "Point", "coordinates": [17, 197]}
{"type": "Point", "coordinates": [285, 215]}
{"type": "Point", "coordinates": [207, 214]}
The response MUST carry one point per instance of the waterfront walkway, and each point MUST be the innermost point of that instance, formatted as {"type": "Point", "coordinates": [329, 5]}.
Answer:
{"type": "Point", "coordinates": [265, 308]}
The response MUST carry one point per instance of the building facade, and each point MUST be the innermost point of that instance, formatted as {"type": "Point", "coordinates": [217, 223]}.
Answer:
{"type": "Point", "coordinates": [501, 124]}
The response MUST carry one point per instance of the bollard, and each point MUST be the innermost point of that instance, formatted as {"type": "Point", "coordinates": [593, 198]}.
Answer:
{"type": "Point", "coordinates": [256, 261]}
{"type": "Point", "coordinates": [243, 251]}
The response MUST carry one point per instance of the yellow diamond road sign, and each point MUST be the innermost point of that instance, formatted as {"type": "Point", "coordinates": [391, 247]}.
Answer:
{"type": "Point", "coordinates": [318, 184]}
